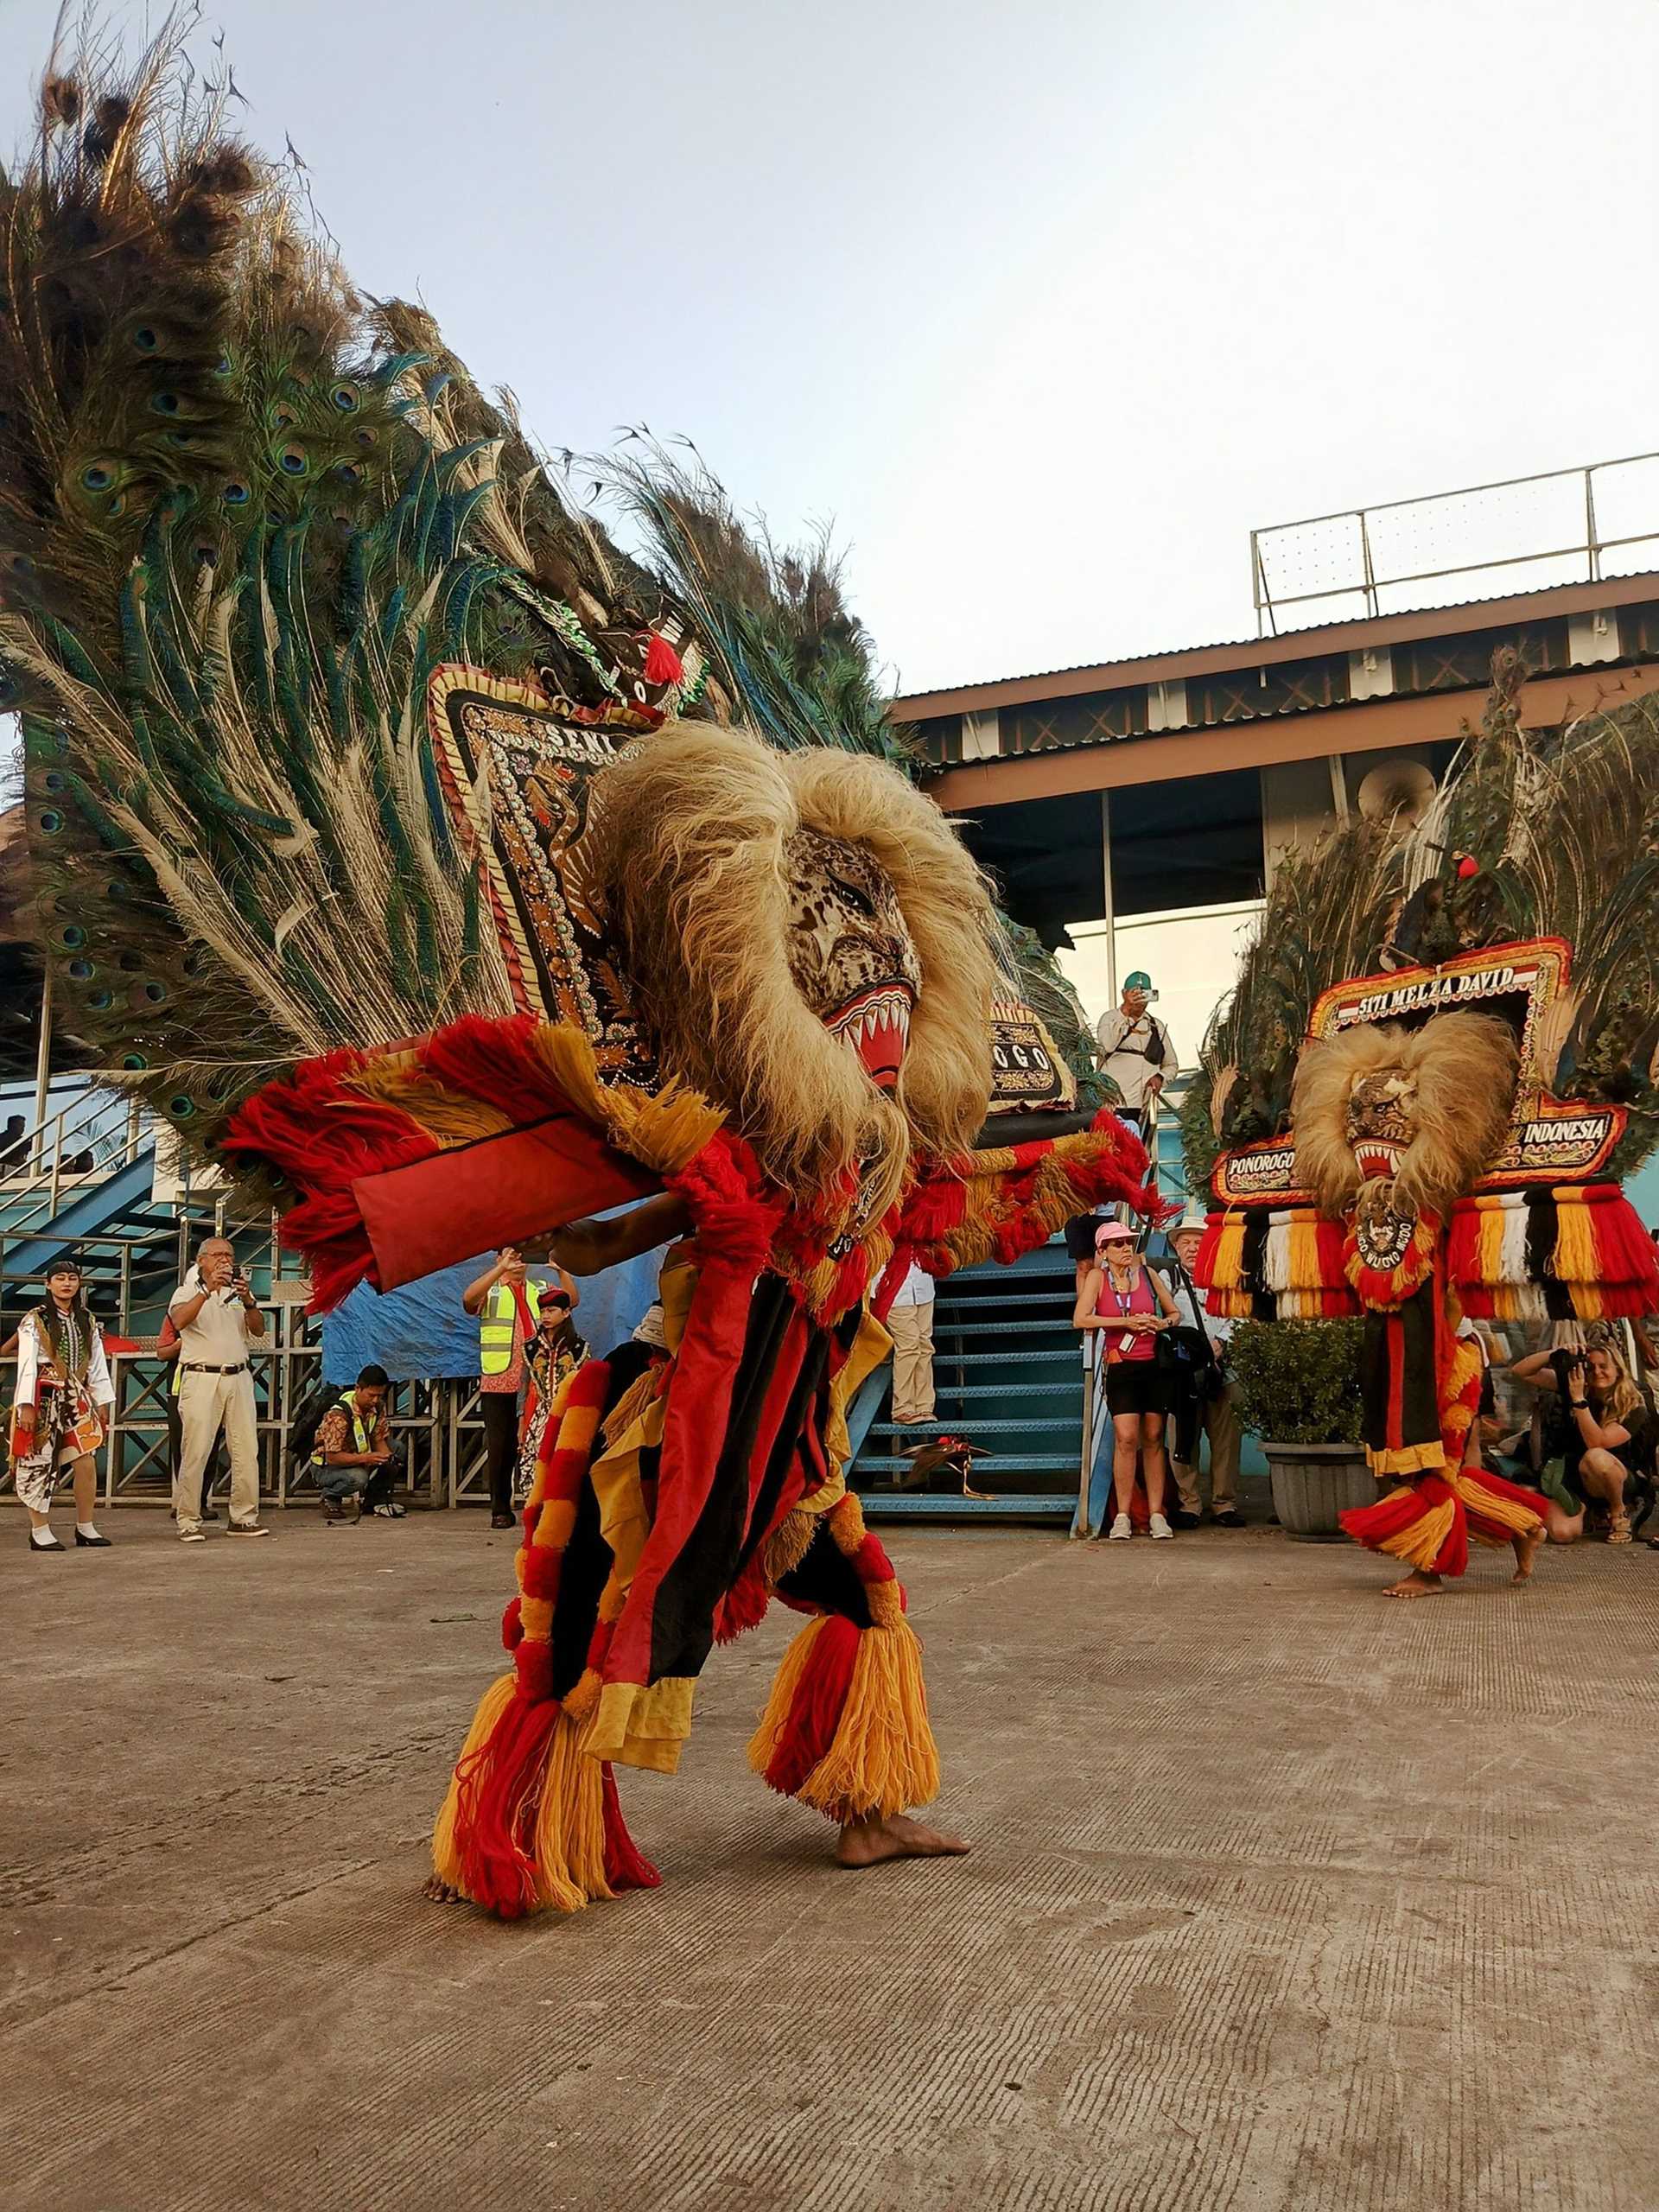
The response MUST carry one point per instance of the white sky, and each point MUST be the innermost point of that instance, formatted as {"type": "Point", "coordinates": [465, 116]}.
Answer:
{"type": "Point", "coordinates": [1044, 304]}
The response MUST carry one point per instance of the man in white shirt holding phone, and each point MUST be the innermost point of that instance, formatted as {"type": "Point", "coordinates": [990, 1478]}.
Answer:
{"type": "Point", "coordinates": [215, 1314]}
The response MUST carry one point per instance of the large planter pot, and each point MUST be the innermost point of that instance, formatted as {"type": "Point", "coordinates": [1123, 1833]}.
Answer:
{"type": "Point", "coordinates": [1314, 1483]}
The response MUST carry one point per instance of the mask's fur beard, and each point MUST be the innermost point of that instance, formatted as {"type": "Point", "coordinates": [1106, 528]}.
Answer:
{"type": "Point", "coordinates": [1463, 1065]}
{"type": "Point", "coordinates": [689, 839]}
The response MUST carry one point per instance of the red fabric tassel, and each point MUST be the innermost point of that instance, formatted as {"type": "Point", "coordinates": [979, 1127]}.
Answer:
{"type": "Point", "coordinates": [870, 1560]}
{"type": "Point", "coordinates": [1372, 1525]}
{"type": "Point", "coordinates": [626, 1866]}
{"type": "Point", "coordinates": [744, 1606]}
{"type": "Point", "coordinates": [815, 1710]}
{"type": "Point", "coordinates": [1462, 1245]}
{"type": "Point", "coordinates": [512, 1630]}
{"type": "Point", "coordinates": [533, 1663]}
{"type": "Point", "coordinates": [493, 1060]}
{"type": "Point", "coordinates": [662, 664]}
{"type": "Point", "coordinates": [497, 1788]}
{"type": "Point", "coordinates": [540, 1571]}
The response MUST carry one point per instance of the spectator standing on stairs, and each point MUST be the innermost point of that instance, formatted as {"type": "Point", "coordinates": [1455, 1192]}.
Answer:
{"type": "Point", "coordinates": [1135, 1051]}
{"type": "Point", "coordinates": [910, 1324]}
{"type": "Point", "coordinates": [216, 1316]}
{"type": "Point", "coordinates": [1214, 1411]}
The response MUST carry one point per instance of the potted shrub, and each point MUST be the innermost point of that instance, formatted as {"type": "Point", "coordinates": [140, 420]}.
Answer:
{"type": "Point", "coordinates": [1299, 1389]}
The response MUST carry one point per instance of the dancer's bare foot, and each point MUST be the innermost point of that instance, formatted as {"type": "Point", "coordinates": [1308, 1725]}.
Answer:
{"type": "Point", "coordinates": [1525, 1547]}
{"type": "Point", "coordinates": [1416, 1584]}
{"type": "Point", "coordinates": [869, 1843]}
{"type": "Point", "coordinates": [440, 1892]}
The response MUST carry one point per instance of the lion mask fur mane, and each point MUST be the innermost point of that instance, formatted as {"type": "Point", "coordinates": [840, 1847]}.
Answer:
{"type": "Point", "coordinates": [1459, 1070]}
{"type": "Point", "coordinates": [689, 845]}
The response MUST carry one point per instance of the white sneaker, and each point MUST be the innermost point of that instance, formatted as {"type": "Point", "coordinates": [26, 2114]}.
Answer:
{"type": "Point", "coordinates": [1160, 1528]}
{"type": "Point", "coordinates": [192, 1536]}
{"type": "Point", "coordinates": [1120, 1531]}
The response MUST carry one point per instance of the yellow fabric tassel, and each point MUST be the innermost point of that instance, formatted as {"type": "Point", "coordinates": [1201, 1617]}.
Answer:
{"type": "Point", "coordinates": [569, 1837]}
{"type": "Point", "coordinates": [445, 1865]}
{"type": "Point", "coordinates": [883, 1758]}
{"type": "Point", "coordinates": [1489, 1243]}
{"type": "Point", "coordinates": [789, 1543]}
{"type": "Point", "coordinates": [1503, 1510]}
{"type": "Point", "coordinates": [1228, 1273]}
{"type": "Point", "coordinates": [1406, 1459]}
{"type": "Point", "coordinates": [1420, 1545]}
{"type": "Point", "coordinates": [1576, 1259]}
{"type": "Point", "coordinates": [1303, 1270]}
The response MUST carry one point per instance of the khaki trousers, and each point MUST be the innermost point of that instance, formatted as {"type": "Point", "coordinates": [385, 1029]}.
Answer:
{"type": "Point", "coordinates": [207, 1404]}
{"type": "Point", "coordinates": [1218, 1421]}
{"type": "Point", "coordinates": [910, 1328]}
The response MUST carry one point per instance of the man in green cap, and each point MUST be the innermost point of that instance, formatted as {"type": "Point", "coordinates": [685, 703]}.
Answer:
{"type": "Point", "coordinates": [1136, 1051]}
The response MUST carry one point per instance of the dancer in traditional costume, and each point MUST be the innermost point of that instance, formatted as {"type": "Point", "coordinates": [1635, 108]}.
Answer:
{"type": "Point", "coordinates": [1391, 1127]}
{"type": "Point", "coordinates": [61, 1407]}
{"type": "Point", "coordinates": [403, 841]}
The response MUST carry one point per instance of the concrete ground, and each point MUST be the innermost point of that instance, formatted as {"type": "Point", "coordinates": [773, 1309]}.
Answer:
{"type": "Point", "coordinates": [1282, 1897]}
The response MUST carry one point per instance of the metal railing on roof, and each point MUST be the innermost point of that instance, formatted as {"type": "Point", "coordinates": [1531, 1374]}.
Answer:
{"type": "Point", "coordinates": [1575, 517]}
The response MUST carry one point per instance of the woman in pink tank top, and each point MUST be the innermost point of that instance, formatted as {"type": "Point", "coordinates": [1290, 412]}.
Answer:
{"type": "Point", "coordinates": [1129, 1308]}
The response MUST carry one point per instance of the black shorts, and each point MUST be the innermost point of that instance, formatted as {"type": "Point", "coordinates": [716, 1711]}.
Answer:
{"type": "Point", "coordinates": [1137, 1386]}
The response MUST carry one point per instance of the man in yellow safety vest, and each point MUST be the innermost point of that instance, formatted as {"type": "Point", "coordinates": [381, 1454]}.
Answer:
{"type": "Point", "coordinates": [508, 1304]}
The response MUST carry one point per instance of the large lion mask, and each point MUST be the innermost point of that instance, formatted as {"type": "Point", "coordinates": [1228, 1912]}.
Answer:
{"type": "Point", "coordinates": [1392, 1123]}
{"type": "Point", "coordinates": [808, 943]}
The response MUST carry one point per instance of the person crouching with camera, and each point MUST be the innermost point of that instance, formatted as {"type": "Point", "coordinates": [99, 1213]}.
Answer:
{"type": "Point", "coordinates": [1600, 1433]}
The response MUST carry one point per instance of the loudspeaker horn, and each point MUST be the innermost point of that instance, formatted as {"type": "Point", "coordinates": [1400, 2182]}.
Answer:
{"type": "Point", "coordinates": [1397, 790]}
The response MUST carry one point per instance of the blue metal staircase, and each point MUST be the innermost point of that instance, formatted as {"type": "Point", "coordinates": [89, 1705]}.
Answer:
{"type": "Point", "coordinates": [1007, 1375]}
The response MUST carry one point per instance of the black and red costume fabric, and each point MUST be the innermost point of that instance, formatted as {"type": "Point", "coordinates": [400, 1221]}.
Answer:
{"type": "Point", "coordinates": [669, 1506]}
{"type": "Point", "coordinates": [1419, 1384]}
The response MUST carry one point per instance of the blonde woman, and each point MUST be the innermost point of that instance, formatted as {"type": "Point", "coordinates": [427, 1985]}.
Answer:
{"type": "Point", "coordinates": [1128, 1303]}
{"type": "Point", "coordinates": [1607, 1435]}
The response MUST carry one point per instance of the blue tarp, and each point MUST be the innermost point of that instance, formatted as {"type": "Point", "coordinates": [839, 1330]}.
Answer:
{"type": "Point", "coordinates": [421, 1330]}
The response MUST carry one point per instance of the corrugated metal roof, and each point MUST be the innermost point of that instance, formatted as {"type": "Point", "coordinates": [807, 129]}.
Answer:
{"type": "Point", "coordinates": [1279, 714]}
{"type": "Point", "coordinates": [1617, 588]}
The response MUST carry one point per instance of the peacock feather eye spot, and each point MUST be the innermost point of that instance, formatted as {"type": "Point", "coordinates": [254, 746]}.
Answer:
{"type": "Point", "coordinates": [366, 437]}
{"type": "Point", "coordinates": [75, 937]}
{"type": "Point", "coordinates": [282, 417]}
{"type": "Point", "coordinates": [97, 476]}
{"type": "Point", "coordinates": [346, 398]}
{"type": "Point", "coordinates": [20, 564]}
{"type": "Point", "coordinates": [53, 780]}
{"type": "Point", "coordinates": [294, 460]}
{"type": "Point", "coordinates": [180, 1108]}
{"type": "Point", "coordinates": [347, 472]}
{"type": "Point", "coordinates": [146, 338]}
{"type": "Point", "coordinates": [156, 993]}
{"type": "Point", "coordinates": [49, 822]}
{"type": "Point", "coordinates": [224, 366]}
{"type": "Point", "coordinates": [165, 403]}
{"type": "Point", "coordinates": [82, 970]}
{"type": "Point", "coordinates": [99, 1002]}
{"type": "Point", "coordinates": [134, 1063]}
{"type": "Point", "coordinates": [235, 492]}
{"type": "Point", "coordinates": [117, 507]}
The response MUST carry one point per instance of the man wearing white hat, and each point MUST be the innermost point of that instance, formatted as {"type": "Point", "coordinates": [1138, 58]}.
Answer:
{"type": "Point", "coordinates": [1218, 1415]}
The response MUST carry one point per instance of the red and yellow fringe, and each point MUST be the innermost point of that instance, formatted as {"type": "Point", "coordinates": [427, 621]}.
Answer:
{"type": "Point", "coordinates": [845, 1729]}
{"type": "Point", "coordinates": [531, 1819]}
